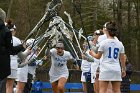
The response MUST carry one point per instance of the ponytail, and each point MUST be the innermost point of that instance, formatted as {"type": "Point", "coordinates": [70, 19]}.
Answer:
{"type": "Point", "coordinates": [111, 28]}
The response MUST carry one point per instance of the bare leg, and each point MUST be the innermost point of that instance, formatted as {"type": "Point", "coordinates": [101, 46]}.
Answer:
{"type": "Point", "coordinates": [61, 83]}
{"type": "Point", "coordinates": [103, 86]}
{"type": "Point", "coordinates": [54, 87]}
{"type": "Point", "coordinates": [9, 85]}
{"type": "Point", "coordinates": [116, 86]}
{"type": "Point", "coordinates": [109, 88]}
{"type": "Point", "coordinates": [96, 84]}
{"type": "Point", "coordinates": [20, 87]}
{"type": "Point", "coordinates": [84, 87]}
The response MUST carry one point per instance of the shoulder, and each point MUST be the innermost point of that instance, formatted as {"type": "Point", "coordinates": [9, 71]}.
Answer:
{"type": "Point", "coordinates": [53, 51]}
{"type": "Point", "coordinates": [67, 52]}
{"type": "Point", "coordinates": [120, 43]}
{"type": "Point", "coordinates": [102, 38]}
{"type": "Point", "coordinates": [104, 41]}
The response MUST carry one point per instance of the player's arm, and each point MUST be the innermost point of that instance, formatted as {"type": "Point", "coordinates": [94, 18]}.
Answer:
{"type": "Point", "coordinates": [76, 63]}
{"type": "Point", "coordinates": [47, 54]}
{"type": "Point", "coordinates": [123, 67]}
{"type": "Point", "coordinates": [85, 56]}
{"type": "Point", "coordinates": [98, 55]}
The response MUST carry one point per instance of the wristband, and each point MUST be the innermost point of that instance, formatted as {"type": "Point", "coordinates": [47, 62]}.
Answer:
{"type": "Point", "coordinates": [123, 68]}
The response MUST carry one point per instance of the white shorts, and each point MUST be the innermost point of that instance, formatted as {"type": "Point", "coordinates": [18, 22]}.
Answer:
{"type": "Point", "coordinates": [94, 67]}
{"type": "Point", "coordinates": [13, 74]}
{"type": "Point", "coordinates": [93, 78]}
{"type": "Point", "coordinates": [83, 79]}
{"type": "Point", "coordinates": [22, 74]}
{"type": "Point", "coordinates": [56, 78]}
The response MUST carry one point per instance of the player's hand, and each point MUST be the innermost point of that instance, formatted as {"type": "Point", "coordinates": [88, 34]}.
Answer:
{"type": "Point", "coordinates": [83, 56]}
{"type": "Point", "coordinates": [123, 73]}
{"type": "Point", "coordinates": [77, 67]}
{"type": "Point", "coordinates": [28, 50]}
{"type": "Point", "coordinates": [91, 52]}
{"type": "Point", "coordinates": [24, 45]}
{"type": "Point", "coordinates": [45, 58]}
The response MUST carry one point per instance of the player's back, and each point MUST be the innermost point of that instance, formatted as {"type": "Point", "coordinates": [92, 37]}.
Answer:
{"type": "Point", "coordinates": [111, 49]}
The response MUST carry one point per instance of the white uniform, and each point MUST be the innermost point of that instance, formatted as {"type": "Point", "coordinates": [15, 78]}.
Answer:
{"type": "Point", "coordinates": [14, 63]}
{"type": "Point", "coordinates": [94, 66]}
{"type": "Point", "coordinates": [32, 68]}
{"type": "Point", "coordinates": [109, 65]}
{"type": "Point", "coordinates": [101, 38]}
{"type": "Point", "coordinates": [87, 67]}
{"type": "Point", "coordinates": [22, 73]}
{"type": "Point", "coordinates": [59, 65]}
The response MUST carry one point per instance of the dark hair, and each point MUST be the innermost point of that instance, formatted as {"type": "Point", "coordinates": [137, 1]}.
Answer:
{"type": "Point", "coordinates": [10, 24]}
{"type": "Point", "coordinates": [111, 28]}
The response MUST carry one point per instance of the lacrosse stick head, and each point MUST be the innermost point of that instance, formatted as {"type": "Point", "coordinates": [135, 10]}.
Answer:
{"type": "Point", "coordinates": [29, 42]}
{"type": "Point", "coordinates": [53, 4]}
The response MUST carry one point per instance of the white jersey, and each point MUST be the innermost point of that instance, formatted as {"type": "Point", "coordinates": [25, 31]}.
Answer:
{"type": "Point", "coordinates": [101, 38]}
{"type": "Point", "coordinates": [14, 63]}
{"type": "Point", "coordinates": [31, 69]}
{"type": "Point", "coordinates": [59, 65]}
{"type": "Point", "coordinates": [110, 64]}
{"type": "Point", "coordinates": [33, 66]}
{"type": "Point", "coordinates": [22, 73]}
{"type": "Point", "coordinates": [86, 66]}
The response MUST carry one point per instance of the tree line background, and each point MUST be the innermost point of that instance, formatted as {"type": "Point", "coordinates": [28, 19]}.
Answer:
{"type": "Point", "coordinates": [94, 13]}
